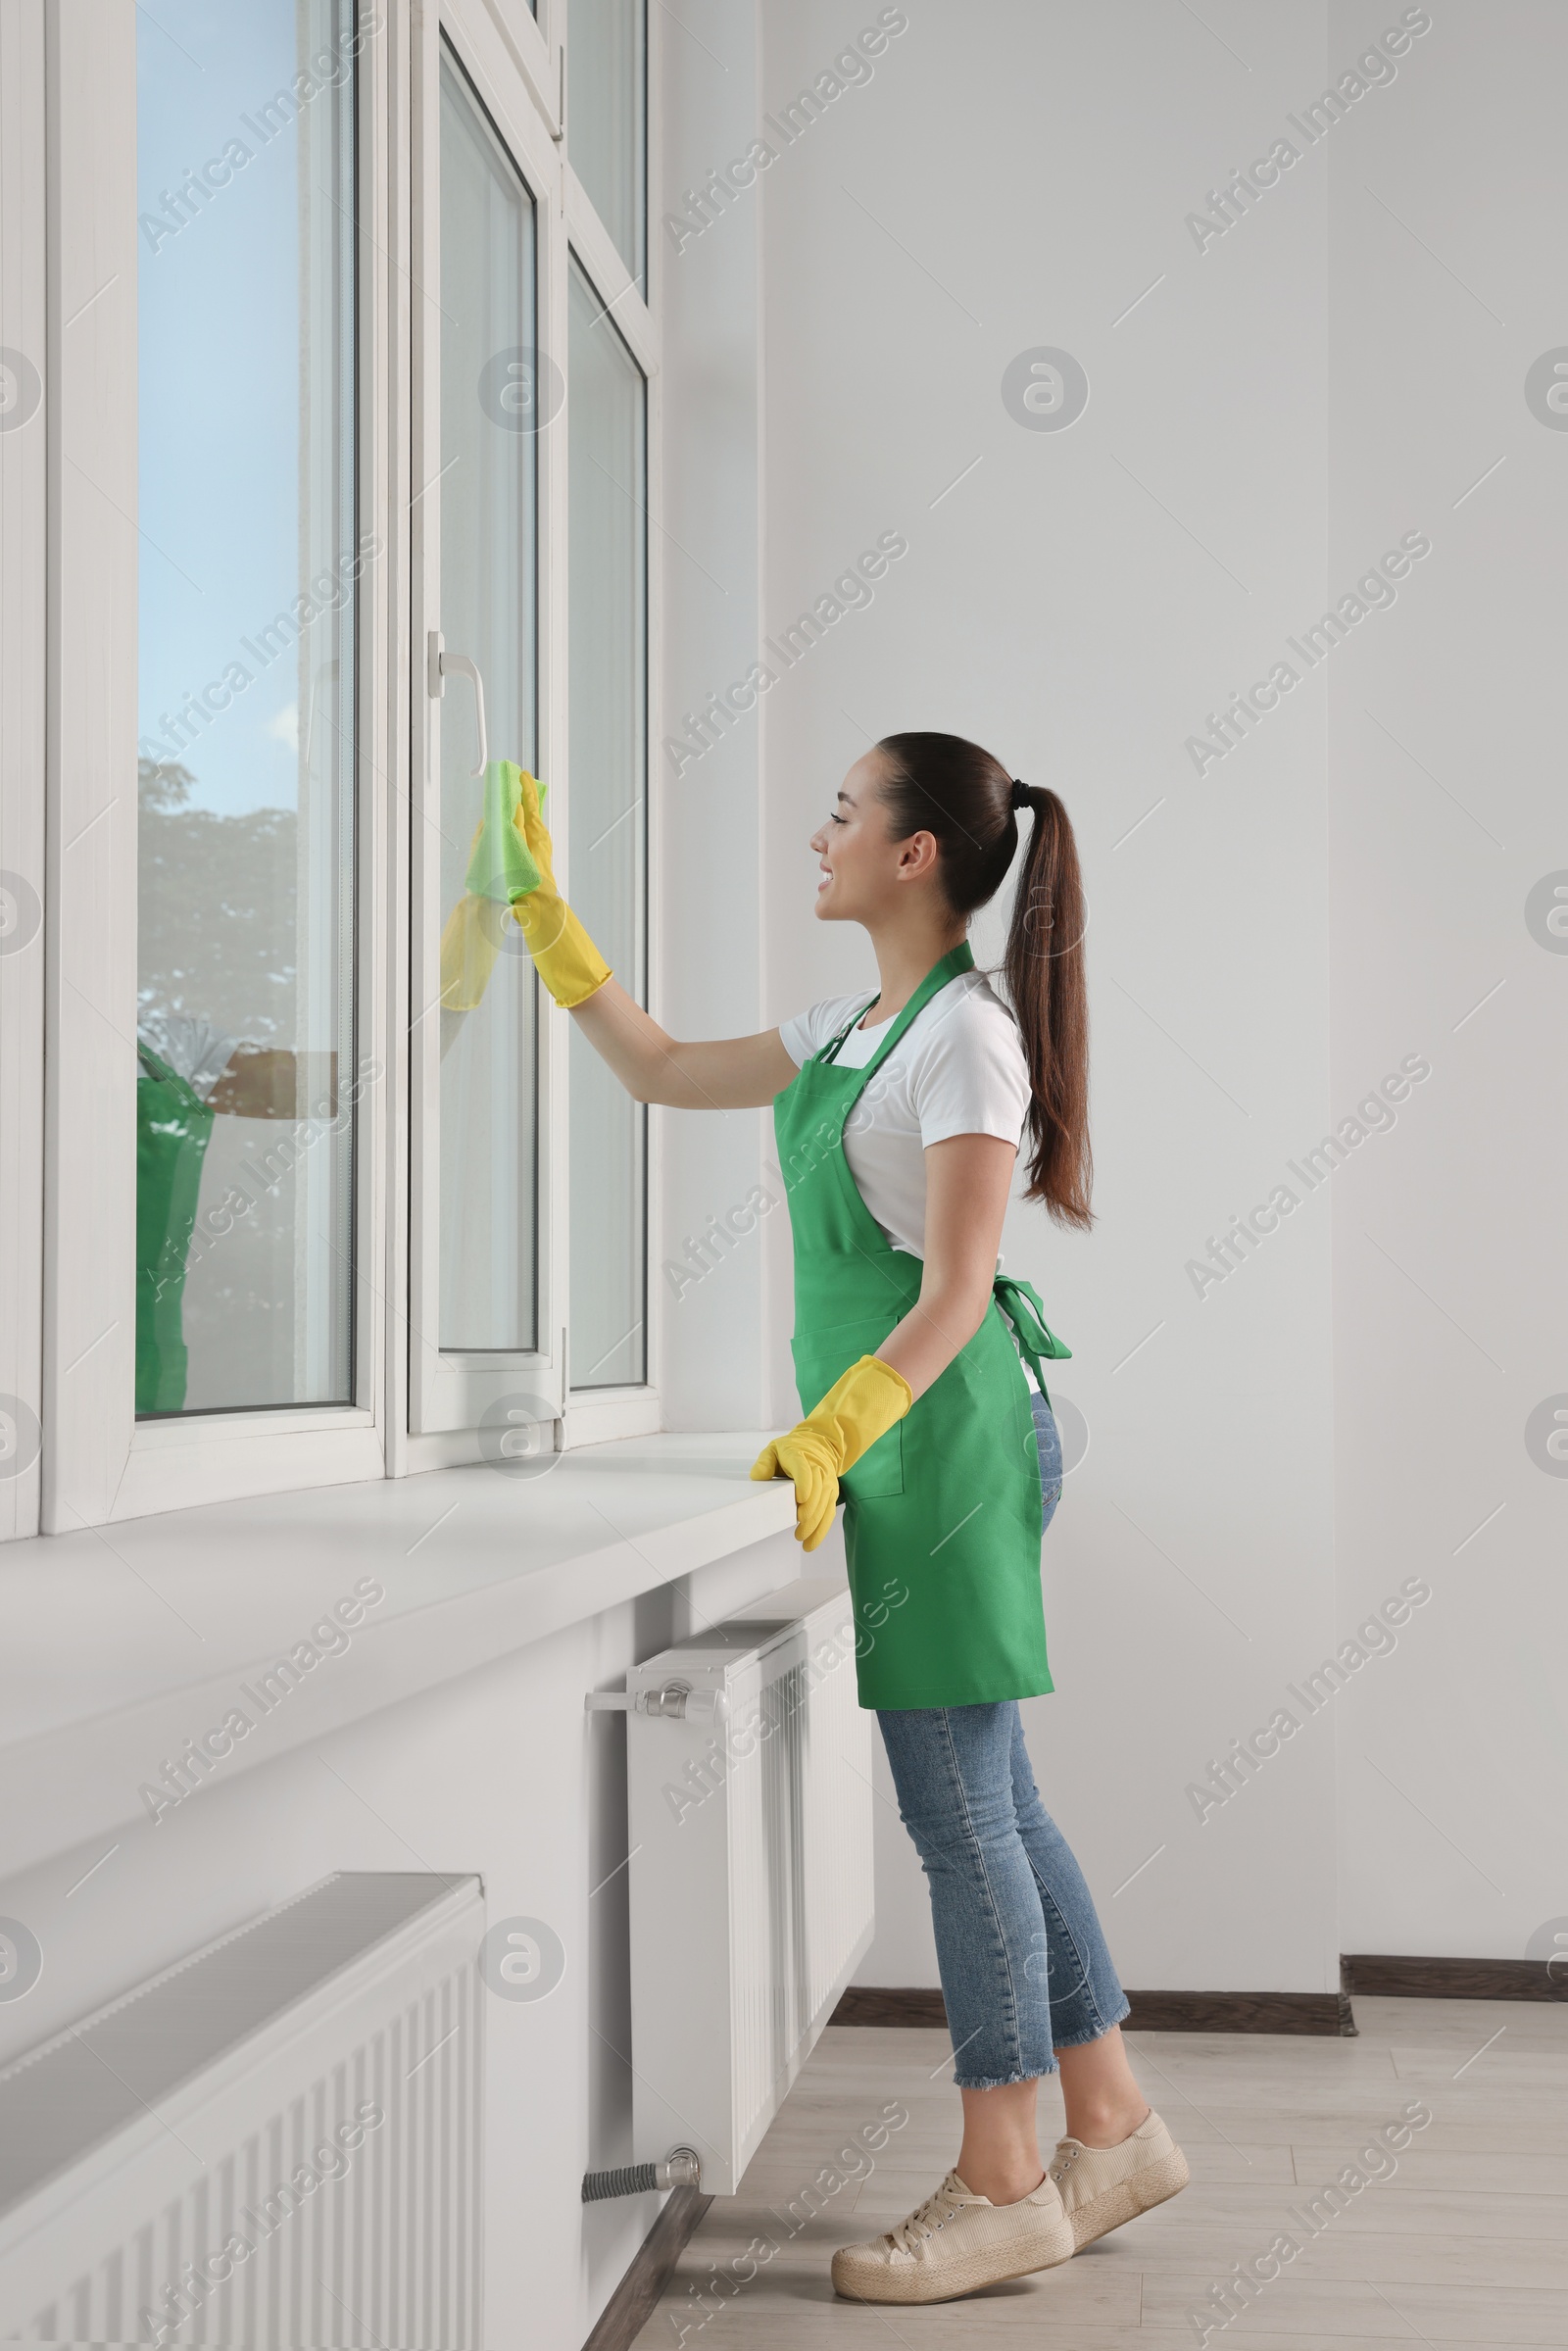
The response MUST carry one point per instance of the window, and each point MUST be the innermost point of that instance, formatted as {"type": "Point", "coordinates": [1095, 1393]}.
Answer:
{"type": "Point", "coordinates": [489, 1048]}
{"type": "Point", "coordinates": [334, 579]}
{"type": "Point", "coordinates": [249, 562]}
{"type": "Point", "coordinates": [607, 106]}
{"type": "Point", "coordinates": [609, 729]}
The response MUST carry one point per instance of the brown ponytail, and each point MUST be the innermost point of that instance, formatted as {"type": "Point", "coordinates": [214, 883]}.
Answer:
{"type": "Point", "coordinates": [942, 785]}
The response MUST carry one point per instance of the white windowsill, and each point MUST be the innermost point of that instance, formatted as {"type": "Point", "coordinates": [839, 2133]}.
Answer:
{"type": "Point", "coordinates": [121, 1644]}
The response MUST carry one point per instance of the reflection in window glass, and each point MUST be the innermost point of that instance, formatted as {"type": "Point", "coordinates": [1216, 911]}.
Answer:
{"type": "Point", "coordinates": [608, 623]}
{"type": "Point", "coordinates": [249, 560]}
{"type": "Point", "coordinates": [606, 103]}
{"type": "Point", "coordinates": [491, 415]}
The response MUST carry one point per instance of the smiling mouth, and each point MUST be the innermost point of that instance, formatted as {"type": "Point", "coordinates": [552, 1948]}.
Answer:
{"type": "Point", "coordinates": [824, 878]}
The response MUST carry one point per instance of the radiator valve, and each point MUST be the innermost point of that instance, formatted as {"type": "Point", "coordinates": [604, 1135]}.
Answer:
{"type": "Point", "coordinates": [676, 1698]}
{"type": "Point", "coordinates": [681, 2168]}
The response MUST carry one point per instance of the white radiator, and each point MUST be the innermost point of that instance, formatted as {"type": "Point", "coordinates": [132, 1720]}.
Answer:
{"type": "Point", "coordinates": [751, 1875]}
{"type": "Point", "coordinates": [276, 2142]}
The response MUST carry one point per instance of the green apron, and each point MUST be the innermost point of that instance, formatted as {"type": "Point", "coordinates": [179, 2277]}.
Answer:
{"type": "Point", "coordinates": [172, 1127]}
{"type": "Point", "coordinates": [942, 1516]}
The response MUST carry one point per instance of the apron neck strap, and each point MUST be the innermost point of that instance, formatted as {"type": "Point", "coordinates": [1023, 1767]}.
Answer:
{"type": "Point", "coordinates": [957, 959]}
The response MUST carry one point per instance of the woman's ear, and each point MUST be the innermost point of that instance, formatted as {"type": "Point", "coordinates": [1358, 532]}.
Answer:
{"type": "Point", "coordinates": [917, 857]}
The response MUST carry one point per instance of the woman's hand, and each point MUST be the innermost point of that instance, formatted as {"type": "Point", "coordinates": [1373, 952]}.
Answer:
{"type": "Point", "coordinates": [564, 956]}
{"type": "Point", "coordinates": [727, 1074]}
{"type": "Point", "coordinates": [858, 1409]}
{"type": "Point", "coordinates": [512, 865]}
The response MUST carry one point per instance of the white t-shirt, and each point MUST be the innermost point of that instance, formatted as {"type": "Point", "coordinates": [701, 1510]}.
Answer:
{"type": "Point", "coordinates": [958, 1069]}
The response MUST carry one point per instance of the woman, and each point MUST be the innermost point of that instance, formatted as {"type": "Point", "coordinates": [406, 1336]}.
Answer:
{"type": "Point", "coordinates": [898, 1119]}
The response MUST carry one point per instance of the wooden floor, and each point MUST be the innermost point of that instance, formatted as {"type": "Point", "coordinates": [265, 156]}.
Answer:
{"type": "Point", "coordinates": [1465, 2245]}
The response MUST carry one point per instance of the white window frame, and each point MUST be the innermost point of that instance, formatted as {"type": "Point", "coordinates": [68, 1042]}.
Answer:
{"type": "Point", "coordinates": [594, 1414]}
{"type": "Point", "coordinates": [24, 574]}
{"type": "Point", "coordinates": [99, 1463]}
{"type": "Point", "coordinates": [449, 1390]}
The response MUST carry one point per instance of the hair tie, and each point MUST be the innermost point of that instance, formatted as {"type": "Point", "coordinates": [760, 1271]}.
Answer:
{"type": "Point", "coordinates": [1022, 795]}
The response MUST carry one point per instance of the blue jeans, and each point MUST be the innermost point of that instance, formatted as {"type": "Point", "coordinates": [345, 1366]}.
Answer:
{"type": "Point", "coordinates": [1023, 1961]}
{"type": "Point", "coordinates": [1048, 1439]}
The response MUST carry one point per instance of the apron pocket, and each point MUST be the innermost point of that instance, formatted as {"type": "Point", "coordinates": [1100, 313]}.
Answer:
{"type": "Point", "coordinates": [879, 1470]}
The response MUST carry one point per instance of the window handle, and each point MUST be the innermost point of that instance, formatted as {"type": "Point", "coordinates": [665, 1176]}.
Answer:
{"type": "Point", "coordinates": [441, 665]}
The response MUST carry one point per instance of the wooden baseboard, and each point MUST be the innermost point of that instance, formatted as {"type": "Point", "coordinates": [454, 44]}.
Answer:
{"type": "Point", "coordinates": [1380, 1975]}
{"type": "Point", "coordinates": [1326, 2013]}
{"type": "Point", "coordinates": [631, 2305]}
{"type": "Point", "coordinates": [1373, 1975]}
{"type": "Point", "coordinates": [881, 2005]}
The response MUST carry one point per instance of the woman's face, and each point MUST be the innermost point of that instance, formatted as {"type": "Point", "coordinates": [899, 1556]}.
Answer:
{"type": "Point", "coordinates": [862, 867]}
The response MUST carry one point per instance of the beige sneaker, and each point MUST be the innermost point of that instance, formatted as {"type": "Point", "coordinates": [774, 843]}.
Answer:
{"type": "Point", "coordinates": [955, 2243]}
{"type": "Point", "coordinates": [1103, 2186]}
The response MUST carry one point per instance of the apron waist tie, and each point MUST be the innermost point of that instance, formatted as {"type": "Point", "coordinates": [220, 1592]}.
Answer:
{"type": "Point", "coordinates": [1024, 1309]}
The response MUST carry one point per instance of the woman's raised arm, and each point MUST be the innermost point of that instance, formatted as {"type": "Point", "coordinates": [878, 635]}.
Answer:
{"type": "Point", "coordinates": [512, 864]}
{"type": "Point", "coordinates": [723, 1073]}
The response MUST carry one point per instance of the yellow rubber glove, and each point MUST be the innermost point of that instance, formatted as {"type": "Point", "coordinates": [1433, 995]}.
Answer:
{"type": "Point", "coordinates": [566, 958]}
{"type": "Point", "coordinates": [855, 1411]}
{"type": "Point", "coordinates": [470, 944]}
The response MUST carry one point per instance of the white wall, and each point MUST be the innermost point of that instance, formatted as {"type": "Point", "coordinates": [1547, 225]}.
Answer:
{"type": "Point", "coordinates": [708, 817]}
{"type": "Point", "coordinates": [1447, 807]}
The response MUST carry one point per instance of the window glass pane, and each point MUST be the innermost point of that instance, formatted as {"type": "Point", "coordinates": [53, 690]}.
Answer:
{"type": "Point", "coordinates": [490, 418]}
{"type": "Point", "coordinates": [248, 555]}
{"type": "Point", "coordinates": [607, 109]}
{"type": "Point", "coordinates": [607, 440]}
